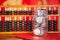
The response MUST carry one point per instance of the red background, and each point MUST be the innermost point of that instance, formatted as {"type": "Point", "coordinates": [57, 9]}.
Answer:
{"type": "Point", "coordinates": [34, 2]}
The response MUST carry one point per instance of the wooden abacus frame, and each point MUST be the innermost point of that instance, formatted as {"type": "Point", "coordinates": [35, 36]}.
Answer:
{"type": "Point", "coordinates": [35, 6]}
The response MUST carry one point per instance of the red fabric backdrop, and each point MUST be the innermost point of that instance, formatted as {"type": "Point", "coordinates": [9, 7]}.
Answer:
{"type": "Point", "coordinates": [30, 2]}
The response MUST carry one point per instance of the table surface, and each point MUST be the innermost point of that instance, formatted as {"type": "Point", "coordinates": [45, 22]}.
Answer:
{"type": "Point", "coordinates": [51, 36]}
{"type": "Point", "coordinates": [30, 36]}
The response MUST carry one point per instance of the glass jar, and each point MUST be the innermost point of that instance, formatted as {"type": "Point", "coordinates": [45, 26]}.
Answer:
{"type": "Point", "coordinates": [40, 22]}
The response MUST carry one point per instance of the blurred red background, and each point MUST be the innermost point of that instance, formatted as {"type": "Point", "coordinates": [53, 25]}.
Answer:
{"type": "Point", "coordinates": [34, 2]}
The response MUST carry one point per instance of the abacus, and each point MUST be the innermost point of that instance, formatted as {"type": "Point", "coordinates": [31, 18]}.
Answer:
{"type": "Point", "coordinates": [20, 19]}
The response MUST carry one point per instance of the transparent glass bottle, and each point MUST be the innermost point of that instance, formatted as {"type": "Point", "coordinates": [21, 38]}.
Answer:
{"type": "Point", "coordinates": [40, 22]}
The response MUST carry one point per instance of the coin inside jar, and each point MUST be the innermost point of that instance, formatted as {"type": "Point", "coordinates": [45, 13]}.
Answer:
{"type": "Point", "coordinates": [39, 20]}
